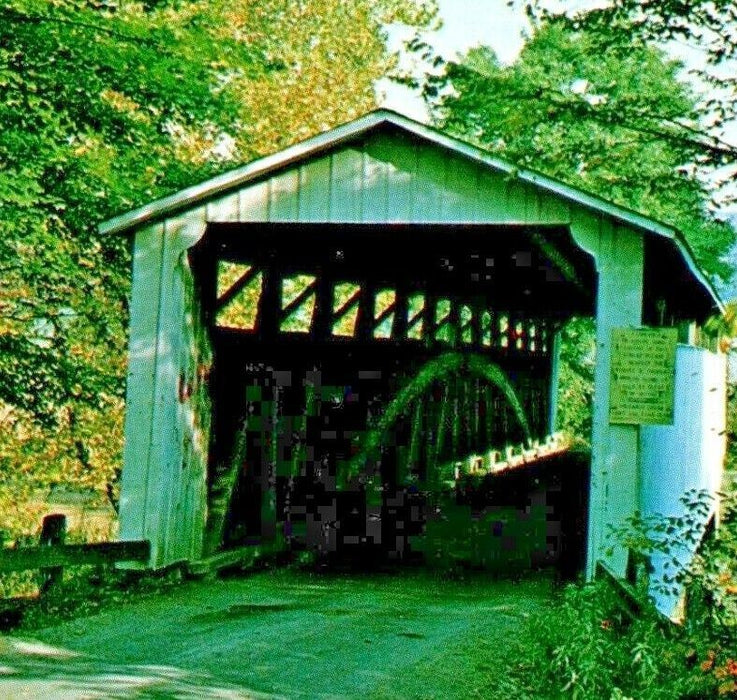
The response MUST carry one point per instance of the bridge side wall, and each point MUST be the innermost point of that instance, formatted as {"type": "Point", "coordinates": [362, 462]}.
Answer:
{"type": "Point", "coordinates": [686, 456]}
{"type": "Point", "coordinates": [382, 179]}
{"type": "Point", "coordinates": [163, 488]}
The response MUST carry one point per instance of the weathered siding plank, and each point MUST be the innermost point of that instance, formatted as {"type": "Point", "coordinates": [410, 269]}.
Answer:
{"type": "Point", "coordinates": [314, 197]}
{"type": "Point", "coordinates": [284, 196]}
{"type": "Point", "coordinates": [144, 324]}
{"type": "Point", "coordinates": [253, 202]}
{"type": "Point", "coordinates": [517, 206]}
{"type": "Point", "coordinates": [224, 209]}
{"type": "Point", "coordinates": [163, 420]}
{"type": "Point", "coordinates": [460, 196]}
{"type": "Point", "coordinates": [346, 203]}
{"type": "Point", "coordinates": [491, 201]}
{"type": "Point", "coordinates": [553, 210]}
{"type": "Point", "coordinates": [428, 184]}
{"type": "Point", "coordinates": [375, 190]}
{"type": "Point", "coordinates": [399, 161]}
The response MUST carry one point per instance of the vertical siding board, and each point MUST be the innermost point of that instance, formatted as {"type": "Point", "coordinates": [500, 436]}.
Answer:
{"type": "Point", "coordinates": [491, 202]}
{"type": "Point", "coordinates": [461, 196]}
{"type": "Point", "coordinates": [346, 185]}
{"type": "Point", "coordinates": [399, 181]}
{"type": "Point", "coordinates": [399, 164]}
{"type": "Point", "coordinates": [159, 494]}
{"type": "Point", "coordinates": [551, 209]}
{"type": "Point", "coordinates": [163, 502]}
{"type": "Point", "coordinates": [314, 185]}
{"type": "Point", "coordinates": [457, 205]}
{"type": "Point", "coordinates": [428, 184]}
{"type": "Point", "coordinates": [253, 202]}
{"type": "Point", "coordinates": [144, 321]}
{"type": "Point", "coordinates": [224, 209]}
{"type": "Point", "coordinates": [284, 196]}
{"type": "Point", "coordinates": [375, 191]}
{"type": "Point", "coordinates": [516, 201]}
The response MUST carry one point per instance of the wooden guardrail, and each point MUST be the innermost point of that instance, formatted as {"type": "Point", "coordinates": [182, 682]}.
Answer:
{"type": "Point", "coordinates": [52, 555]}
{"type": "Point", "coordinates": [43, 557]}
{"type": "Point", "coordinates": [632, 605]}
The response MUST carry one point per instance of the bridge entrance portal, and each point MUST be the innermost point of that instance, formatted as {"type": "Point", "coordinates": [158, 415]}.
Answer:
{"type": "Point", "coordinates": [384, 392]}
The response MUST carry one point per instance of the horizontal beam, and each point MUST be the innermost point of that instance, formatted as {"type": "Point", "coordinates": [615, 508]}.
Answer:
{"type": "Point", "coordinates": [242, 557]}
{"type": "Point", "coordinates": [25, 558]}
{"type": "Point", "coordinates": [495, 462]}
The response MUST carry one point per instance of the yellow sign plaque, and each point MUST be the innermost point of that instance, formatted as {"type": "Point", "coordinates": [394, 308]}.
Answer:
{"type": "Point", "coordinates": [643, 372]}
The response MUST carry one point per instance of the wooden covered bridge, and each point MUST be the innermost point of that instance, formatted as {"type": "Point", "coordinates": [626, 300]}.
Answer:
{"type": "Point", "coordinates": [322, 338]}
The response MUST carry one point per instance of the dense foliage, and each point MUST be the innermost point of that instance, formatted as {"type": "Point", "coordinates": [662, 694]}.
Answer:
{"type": "Point", "coordinates": [104, 106]}
{"type": "Point", "coordinates": [705, 30]}
{"type": "Point", "coordinates": [596, 645]}
{"type": "Point", "coordinates": [576, 109]}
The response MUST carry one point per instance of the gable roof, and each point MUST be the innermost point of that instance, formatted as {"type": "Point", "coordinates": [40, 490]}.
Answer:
{"type": "Point", "coordinates": [234, 179]}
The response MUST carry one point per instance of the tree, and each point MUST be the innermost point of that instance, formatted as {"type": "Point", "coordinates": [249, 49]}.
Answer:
{"type": "Point", "coordinates": [574, 109]}
{"type": "Point", "coordinates": [104, 106]}
{"type": "Point", "coordinates": [706, 28]}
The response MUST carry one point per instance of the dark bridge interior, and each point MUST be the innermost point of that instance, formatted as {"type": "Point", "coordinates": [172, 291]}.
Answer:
{"type": "Point", "coordinates": [316, 331]}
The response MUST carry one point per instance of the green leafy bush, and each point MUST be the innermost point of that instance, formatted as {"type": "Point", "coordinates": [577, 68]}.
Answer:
{"type": "Point", "coordinates": [594, 646]}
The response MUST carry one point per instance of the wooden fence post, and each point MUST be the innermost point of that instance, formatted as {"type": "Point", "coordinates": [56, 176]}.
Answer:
{"type": "Point", "coordinates": [53, 532]}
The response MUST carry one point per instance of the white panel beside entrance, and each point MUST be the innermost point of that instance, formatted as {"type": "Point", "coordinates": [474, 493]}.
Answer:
{"type": "Point", "coordinates": [686, 455]}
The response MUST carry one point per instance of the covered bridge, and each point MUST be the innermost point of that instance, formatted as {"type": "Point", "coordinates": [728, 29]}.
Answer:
{"type": "Point", "coordinates": [319, 332]}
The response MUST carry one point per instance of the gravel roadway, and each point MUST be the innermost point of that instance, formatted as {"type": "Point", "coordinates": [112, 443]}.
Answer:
{"type": "Point", "coordinates": [286, 634]}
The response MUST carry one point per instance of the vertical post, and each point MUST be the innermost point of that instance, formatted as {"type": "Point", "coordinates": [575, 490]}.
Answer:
{"type": "Point", "coordinates": [415, 444]}
{"type": "Point", "coordinates": [269, 467]}
{"type": "Point", "coordinates": [428, 322]}
{"type": "Point", "coordinates": [269, 312]}
{"type": "Point", "coordinates": [455, 431]}
{"type": "Point", "coordinates": [401, 310]}
{"type": "Point", "coordinates": [489, 418]}
{"type": "Point", "coordinates": [53, 532]}
{"type": "Point", "coordinates": [366, 306]}
{"type": "Point", "coordinates": [615, 468]}
{"type": "Point", "coordinates": [554, 382]}
{"type": "Point", "coordinates": [322, 326]}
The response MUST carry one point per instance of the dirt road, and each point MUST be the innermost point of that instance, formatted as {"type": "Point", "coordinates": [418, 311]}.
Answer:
{"type": "Point", "coordinates": [286, 634]}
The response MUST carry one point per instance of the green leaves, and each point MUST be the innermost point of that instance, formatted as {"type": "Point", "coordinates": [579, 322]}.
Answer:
{"type": "Point", "coordinates": [616, 123]}
{"type": "Point", "coordinates": [105, 106]}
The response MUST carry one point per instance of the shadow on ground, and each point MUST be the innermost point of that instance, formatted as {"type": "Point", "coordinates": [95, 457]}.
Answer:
{"type": "Point", "coordinates": [289, 634]}
{"type": "Point", "coordinates": [32, 669]}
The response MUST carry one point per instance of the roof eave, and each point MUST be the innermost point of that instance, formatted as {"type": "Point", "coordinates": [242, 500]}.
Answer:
{"type": "Point", "coordinates": [261, 167]}
{"type": "Point", "coordinates": [233, 179]}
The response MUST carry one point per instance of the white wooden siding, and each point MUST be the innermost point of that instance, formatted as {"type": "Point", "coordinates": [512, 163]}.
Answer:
{"type": "Point", "coordinates": [389, 179]}
{"type": "Point", "coordinates": [382, 178]}
{"type": "Point", "coordinates": [687, 455]}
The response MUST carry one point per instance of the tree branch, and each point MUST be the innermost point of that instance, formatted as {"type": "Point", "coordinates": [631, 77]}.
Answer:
{"type": "Point", "coordinates": [12, 15]}
{"type": "Point", "coordinates": [718, 149]}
